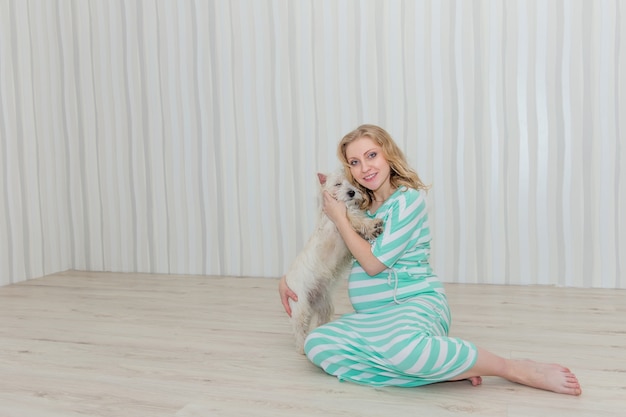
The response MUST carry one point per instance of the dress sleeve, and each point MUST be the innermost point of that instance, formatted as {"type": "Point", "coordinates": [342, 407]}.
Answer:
{"type": "Point", "coordinates": [404, 228]}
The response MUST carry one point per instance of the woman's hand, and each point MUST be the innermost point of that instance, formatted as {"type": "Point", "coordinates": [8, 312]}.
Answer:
{"type": "Point", "coordinates": [334, 209]}
{"type": "Point", "coordinates": [285, 294]}
{"type": "Point", "coordinates": [360, 248]}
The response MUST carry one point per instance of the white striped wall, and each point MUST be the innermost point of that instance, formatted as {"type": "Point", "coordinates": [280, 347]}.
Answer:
{"type": "Point", "coordinates": [183, 137]}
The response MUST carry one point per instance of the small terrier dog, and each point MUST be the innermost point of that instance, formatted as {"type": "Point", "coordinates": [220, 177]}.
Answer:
{"type": "Point", "coordinates": [325, 259]}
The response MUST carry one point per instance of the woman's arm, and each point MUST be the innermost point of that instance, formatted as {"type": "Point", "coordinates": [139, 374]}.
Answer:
{"type": "Point", "coordinates": [359, 247]}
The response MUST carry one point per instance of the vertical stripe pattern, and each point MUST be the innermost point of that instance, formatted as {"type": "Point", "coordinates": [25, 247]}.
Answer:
{"type": "Point", "coordinates": [184, 137]}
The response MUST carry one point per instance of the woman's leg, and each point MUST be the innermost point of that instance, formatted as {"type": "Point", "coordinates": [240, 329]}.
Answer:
{"type": "Point", "coordinates": [550, 377]}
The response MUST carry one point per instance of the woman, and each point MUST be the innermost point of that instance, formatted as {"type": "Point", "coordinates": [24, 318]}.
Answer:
{"type": "Point", "coordinates": [398, 334]}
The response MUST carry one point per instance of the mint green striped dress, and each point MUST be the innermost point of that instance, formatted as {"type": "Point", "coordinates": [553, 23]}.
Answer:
{"type": "Point", "coordinates": [398, 334]}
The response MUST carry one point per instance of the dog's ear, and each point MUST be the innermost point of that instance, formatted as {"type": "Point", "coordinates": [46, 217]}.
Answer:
{"type": "Point", "coordinates": [322, 178]}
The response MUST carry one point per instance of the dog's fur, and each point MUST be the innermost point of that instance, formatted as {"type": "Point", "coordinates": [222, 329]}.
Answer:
{"type": "Point", "coordinates": [325, 259]}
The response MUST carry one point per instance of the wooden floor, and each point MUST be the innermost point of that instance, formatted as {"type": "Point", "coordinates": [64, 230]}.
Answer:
{"type": "Point", "coordinates": [101, 344]}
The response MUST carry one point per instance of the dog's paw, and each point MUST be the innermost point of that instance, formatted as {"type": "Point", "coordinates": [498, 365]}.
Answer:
{"type": "Point", "coordinates": [378, 228]}
{"type": "Point", "coordinates": [373, 230]}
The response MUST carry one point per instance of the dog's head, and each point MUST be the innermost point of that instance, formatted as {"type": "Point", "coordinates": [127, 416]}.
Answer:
{"type": "Point", "coordinates": [340, 188]}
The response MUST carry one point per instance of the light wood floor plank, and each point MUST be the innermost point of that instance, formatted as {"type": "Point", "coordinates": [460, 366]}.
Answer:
{"type": "Point", "coordinates": [78, 344]}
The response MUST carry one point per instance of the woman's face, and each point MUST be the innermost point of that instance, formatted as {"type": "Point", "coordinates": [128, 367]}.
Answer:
{"type": "Point", "coordinates": [368, 164]}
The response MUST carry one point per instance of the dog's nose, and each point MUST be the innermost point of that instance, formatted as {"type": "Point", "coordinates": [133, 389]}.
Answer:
{"type": "Point", "coordinates": [351, 194]}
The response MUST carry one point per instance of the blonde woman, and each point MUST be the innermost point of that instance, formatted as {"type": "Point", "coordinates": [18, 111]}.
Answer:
{"type": "Point", "coordinates": [398, 333]}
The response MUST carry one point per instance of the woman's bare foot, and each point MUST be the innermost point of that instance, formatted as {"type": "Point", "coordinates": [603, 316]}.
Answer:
{"type": "Point", "coordinates": [550, 377]}
{"type": "Point", "coordinates": [475, 380]}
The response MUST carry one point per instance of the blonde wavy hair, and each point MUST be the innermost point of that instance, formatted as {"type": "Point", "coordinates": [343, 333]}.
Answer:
{"type": "Point", "coordinates": [401, 173]}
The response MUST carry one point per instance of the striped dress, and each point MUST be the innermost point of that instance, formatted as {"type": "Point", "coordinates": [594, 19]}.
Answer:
{"type": "Point", "coordinates": [398, 334]}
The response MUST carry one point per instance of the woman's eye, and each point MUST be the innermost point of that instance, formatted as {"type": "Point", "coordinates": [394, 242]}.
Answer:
{"type": "Point", "coordinates": [353, 163]}
{"type": "Point", "coordinates": [372, 155]}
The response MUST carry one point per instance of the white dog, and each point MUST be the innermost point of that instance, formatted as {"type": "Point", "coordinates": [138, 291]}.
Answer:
{"type": "Point", "coordinates": [325, 259]}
